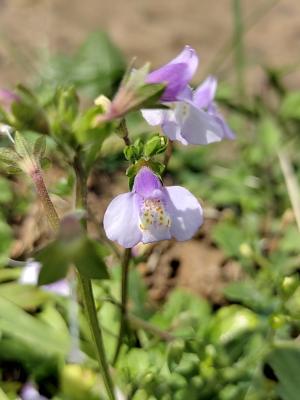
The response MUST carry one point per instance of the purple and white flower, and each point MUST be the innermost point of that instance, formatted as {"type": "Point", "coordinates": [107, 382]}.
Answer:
{"type": "Point", "coordinates": [7, 97]}
{"type": "Point", "coordinates": [29, 392]}
{"type": "Point", "coordinates": [194, 119]}
{"type": "Point", "coordinates": [176, 74]}
{"type": "Point", "coordinates": [152, 212]}
{"type": "Point", "coordinates": [29, 276]}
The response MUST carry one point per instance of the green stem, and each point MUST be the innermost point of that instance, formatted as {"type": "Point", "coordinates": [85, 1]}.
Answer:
{"type": "Point", "coordinates": [124, 132]}
{"type": "Point", "coordinates": [124, 298]}
{"type": "Point", "coordinates": [91, 312]}
{"type": "Point", "coordinates": [86, 287]}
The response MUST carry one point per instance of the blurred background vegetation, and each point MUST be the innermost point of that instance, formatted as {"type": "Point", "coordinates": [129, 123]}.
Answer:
{"type": "Point", "coordinates": [221, 312]}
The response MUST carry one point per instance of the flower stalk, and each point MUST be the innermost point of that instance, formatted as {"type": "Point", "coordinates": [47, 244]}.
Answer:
{"type": "Point", "coordinates": [124, 299]}
{"type": "Point", "coordinates": [52, 216]}
{"type": "Point", "coordinates": [87, 290]}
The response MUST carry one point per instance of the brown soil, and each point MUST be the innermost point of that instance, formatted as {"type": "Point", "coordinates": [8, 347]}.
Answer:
{"type": "Point", "coordinates": [151, 30]}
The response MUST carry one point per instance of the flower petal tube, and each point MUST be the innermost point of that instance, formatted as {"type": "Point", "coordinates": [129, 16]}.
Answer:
{"type": "Point", "coordinates": [152, 212]}
{"type": "Point", "coordinates": [176, 74]}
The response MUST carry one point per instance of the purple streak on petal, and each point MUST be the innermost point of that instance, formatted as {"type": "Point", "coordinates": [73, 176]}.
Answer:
{"type": "Point", "coordinates": [146, 182]}
{"type": "Point", "coordinates": [176, 74]}
{"type": "Point", "coordinates": [29, 392]}
{"type": "Point", "coordinates": [173, 76]}
{"type": "Point", "coordinates": [121, 220]}
{"type": "Point", "coordinates": [185, 211]}
{"type": "Point", "coordinates": [205, 93]}
{"type": "Point", "coordinates": [200, 127]}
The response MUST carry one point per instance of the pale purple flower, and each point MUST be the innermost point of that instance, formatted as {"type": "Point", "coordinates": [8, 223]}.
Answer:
{"type": "Point", "coordinates": [29, 276]}
{"type": "Point", "coordinates": [152, 212]}
{"type": "Point", "coordinates": [29, 392]}
{"type": "Point", "coordinates": [176, 74]}
{"type": "Point", "coordinates": [193, 120]}
{"type": "Point", "coordinates": [7, 97]}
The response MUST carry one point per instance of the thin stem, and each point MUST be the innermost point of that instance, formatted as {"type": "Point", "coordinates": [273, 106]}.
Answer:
{"type": "Point", "coordinates": [124, 298]}
{"type": "Point", "coordinates": [44, 197]}
{"type": "Point", "coordinates": [86, 287]}
{"type": "Point", "coordinates": [124, 132]}
{"type": "Point", "coordinates": [139, 323]}
{"type": "Point", "coordinates": [91, 312]}
{"type": "Point", "coordinates": [168, 154]}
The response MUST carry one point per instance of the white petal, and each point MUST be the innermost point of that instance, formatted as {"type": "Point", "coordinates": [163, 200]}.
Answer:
{"type": "Point", "coordinates": [153, 117]}
{"type": "Point", "coordinates": [199, 127]}
{"type": "Point", "coordinates": [121, 220]}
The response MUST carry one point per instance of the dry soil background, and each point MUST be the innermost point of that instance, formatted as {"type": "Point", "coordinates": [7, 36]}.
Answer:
{"type": "Point", "coordinates": [151, 30]}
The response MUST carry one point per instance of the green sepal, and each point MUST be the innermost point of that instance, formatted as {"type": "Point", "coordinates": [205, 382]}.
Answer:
{"type": "Point", "coordinates": [39, 147]}
{"type": "Point", "coordinates": [22, 147]}
{"type": "Point", "coordinates": [155, 145]}
{"type": "Point", "coordinates": [9, 156]}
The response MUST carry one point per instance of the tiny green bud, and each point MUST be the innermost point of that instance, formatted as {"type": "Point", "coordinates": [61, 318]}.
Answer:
{"type": "Point", "coordinates": [175, 352]}
{"type": "Point", "coordinates": [131, 153]}
{"type": "Point", "coordinates": [155, 145]}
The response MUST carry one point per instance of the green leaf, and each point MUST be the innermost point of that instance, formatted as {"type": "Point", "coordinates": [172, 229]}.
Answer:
{"type": "Point", "coordinates": [96, 68]}
{"type": "Point", "coordinates": [228, 237]}
{"type": "Point", "coordinates": [6, 194]}
{"type": "Point", "coordinates": [285, 361]}
{"type": "Point", "coordinates": [245, 292]}
{"type": "Point", "coordinates": [231, 322]}
{"type": "Point", "coordinates": [58, 256]}
{"type": "Point", "coordinates": [290, 107]}
{"type": "Point", "coordinates": [24, 296]}
{"type": "Point", "coordinates": [269, 134]}
{"type": "Point", "coordinates": [5, 242]}
{"type": "Point", "coordinates": [22, 326]}
{"type": "Point", "coordinates": [9, 156]}
{"type": "Point", "coordinates": [89, 260]}
{"type": "Point", "coordinates": [54, 262]}
{"type": "Point", "coordinates": [148, 95]}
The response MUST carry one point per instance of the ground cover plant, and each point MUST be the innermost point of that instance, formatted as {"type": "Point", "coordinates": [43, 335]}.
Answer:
{"type": "Point", "coordinates": [101, 165]}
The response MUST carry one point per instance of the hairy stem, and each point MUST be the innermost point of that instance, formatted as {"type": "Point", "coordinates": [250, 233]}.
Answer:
{"type": "Point", "coordinates": [86, 288]}
{"type": "Point", "coordinates": [124, 298]}
{"type": "Point", "coordinates": [52, 216]}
